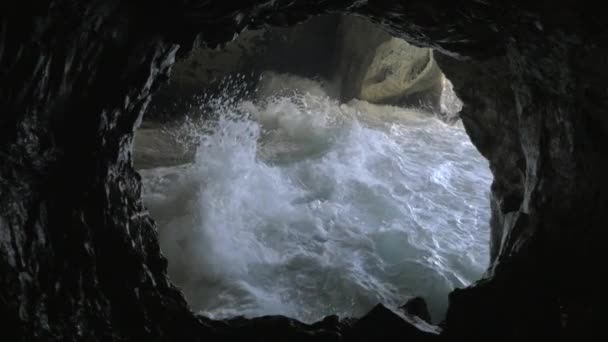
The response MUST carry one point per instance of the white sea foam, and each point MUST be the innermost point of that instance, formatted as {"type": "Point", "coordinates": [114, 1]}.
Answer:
{"type": "Point", "coordinates": [305, 207]}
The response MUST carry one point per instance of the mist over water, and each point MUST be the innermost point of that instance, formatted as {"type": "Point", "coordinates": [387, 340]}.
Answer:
{"type": "Point", "coordinates": [301, 206]}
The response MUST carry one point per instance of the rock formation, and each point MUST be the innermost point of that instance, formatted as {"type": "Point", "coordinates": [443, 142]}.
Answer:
{"type": "Point", "coordinates": [79, 256]}
{"type": "Point", "coordinates": [356, 56]}
{"type": "Point", "coordinates": [375, 67]}
{"type": "Point", "coordinates": [397, 72]}
{"type": "Point", "coordinates": [155, 146]}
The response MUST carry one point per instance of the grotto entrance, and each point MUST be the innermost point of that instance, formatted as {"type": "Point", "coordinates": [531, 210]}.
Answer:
{"type": "Point", "coordinates": [313, 170]}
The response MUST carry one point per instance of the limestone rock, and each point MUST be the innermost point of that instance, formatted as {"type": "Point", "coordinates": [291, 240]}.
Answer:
{"type": "Point", "coordinates": [398, 71]}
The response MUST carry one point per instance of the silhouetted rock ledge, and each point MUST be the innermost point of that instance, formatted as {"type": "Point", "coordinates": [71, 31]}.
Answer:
{"type": "Point", "coordinates": [417, 307]}
{"type": "Point", "coordinates": [79, 254]}
{"type": "Point", "coordinates": [381, 323]}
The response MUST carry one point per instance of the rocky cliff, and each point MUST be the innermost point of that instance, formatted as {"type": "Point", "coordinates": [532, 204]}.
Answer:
{"type": "Point", "coordinates": [79, 256]}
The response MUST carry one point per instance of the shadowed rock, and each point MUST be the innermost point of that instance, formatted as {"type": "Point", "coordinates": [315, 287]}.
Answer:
{"type": "Point", "coordinates": [382, 323]}
{"type": "Point", "coordinates": [417, 307]}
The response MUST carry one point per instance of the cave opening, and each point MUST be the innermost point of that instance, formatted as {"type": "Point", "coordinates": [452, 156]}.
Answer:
{"type": "Point", "coordinates": [79, 252]}
{"type": "Point", "coordinates": [313, 170]}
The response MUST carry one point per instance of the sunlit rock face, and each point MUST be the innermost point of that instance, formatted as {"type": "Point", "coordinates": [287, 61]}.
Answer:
{"type": "Point", "coordinates": [399, 70]}
{"type": "Point", "coordinates": [79, 257]}
{"type": "Point", "coordinates": [378, 68]}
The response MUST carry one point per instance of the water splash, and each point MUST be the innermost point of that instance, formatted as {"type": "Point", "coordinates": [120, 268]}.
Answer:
{"type": "Point", "coordinates": [302, 206]}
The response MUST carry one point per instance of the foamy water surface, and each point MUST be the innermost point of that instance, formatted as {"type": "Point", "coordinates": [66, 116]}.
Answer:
{"type": "Point", "coordinates": [302, 206]}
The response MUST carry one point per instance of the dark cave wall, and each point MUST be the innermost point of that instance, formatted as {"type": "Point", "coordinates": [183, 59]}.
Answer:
{"type": "Point", "coordinates": [79, 257]}
{"type": "Point", "coordinates": [535, 114]}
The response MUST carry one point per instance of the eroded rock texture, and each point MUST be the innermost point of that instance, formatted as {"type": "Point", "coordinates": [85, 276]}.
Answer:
{"type": "Point", "coordinates": [372, 65]}
{"type": "Point", "coordinates": [79, 257]}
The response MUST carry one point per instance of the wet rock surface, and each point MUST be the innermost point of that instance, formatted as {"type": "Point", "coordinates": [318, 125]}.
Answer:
{"type": "Point", "coordinates": [79, 256]}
